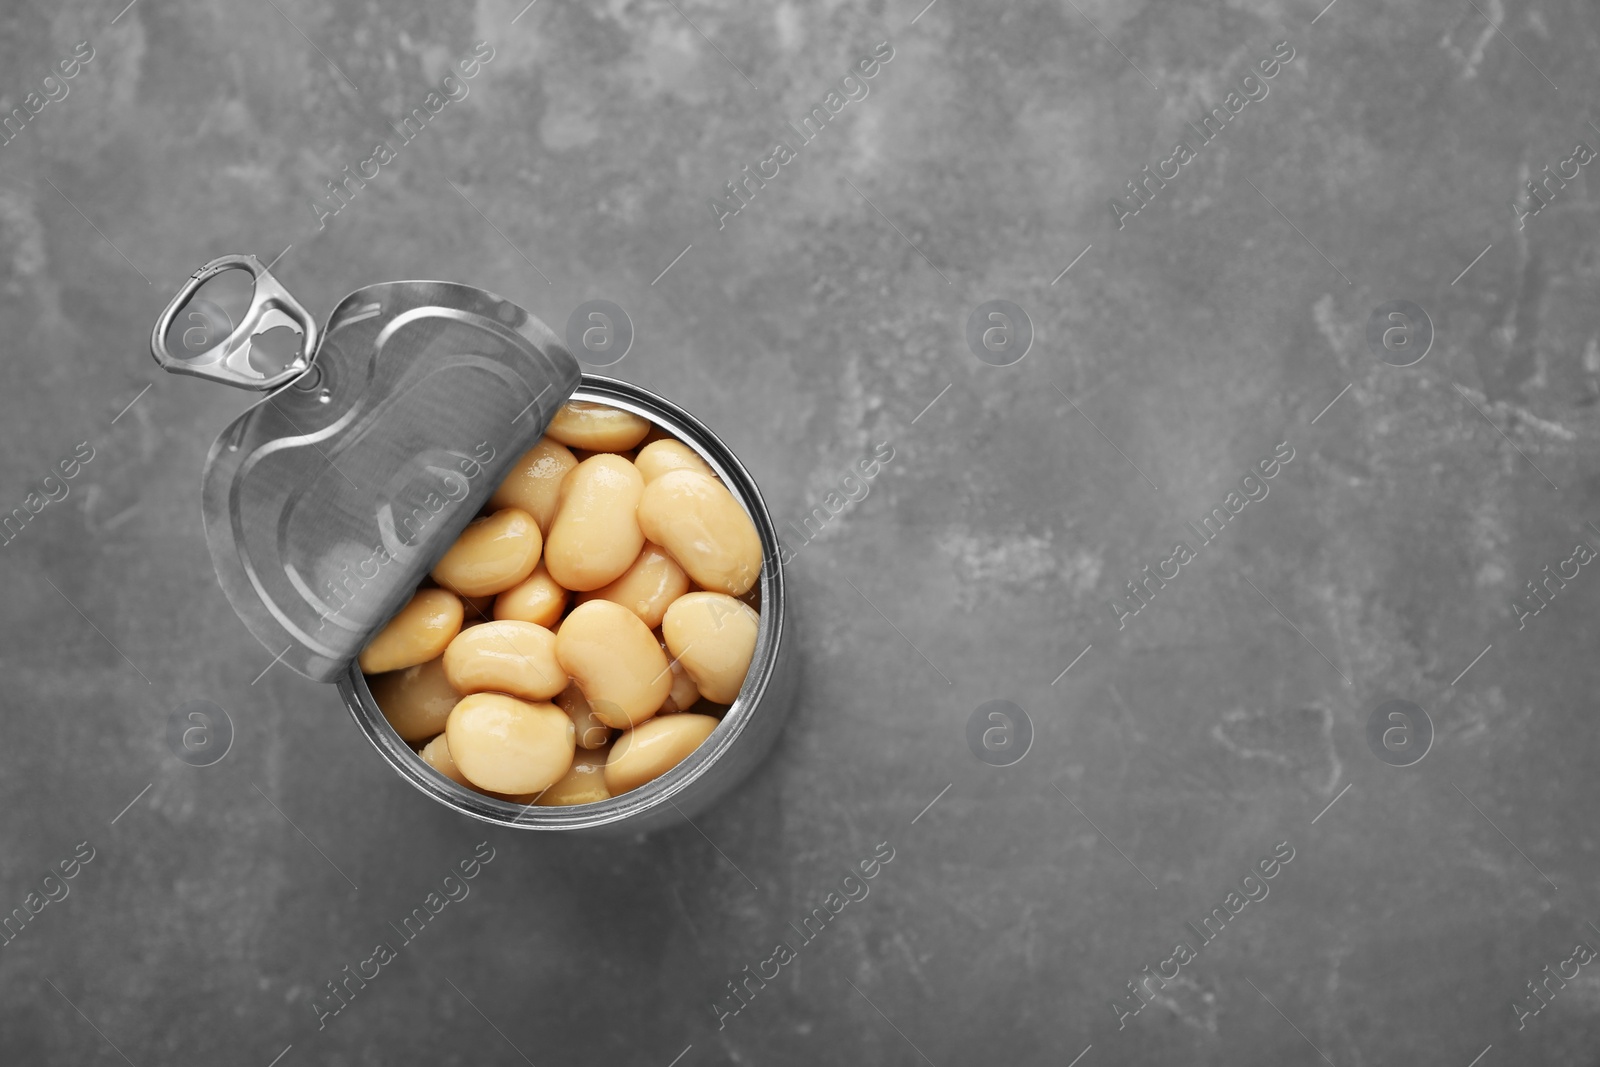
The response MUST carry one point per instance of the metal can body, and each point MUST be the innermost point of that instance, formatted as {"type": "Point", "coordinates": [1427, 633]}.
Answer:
{"type": "Point", "coordinates": [748, 729]}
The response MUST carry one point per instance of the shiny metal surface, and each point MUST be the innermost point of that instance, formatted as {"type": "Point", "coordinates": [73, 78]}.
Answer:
{"type": "Point", "coordinates": [271, 306]}
{"type": "Point", "coordinates": [328, 501]}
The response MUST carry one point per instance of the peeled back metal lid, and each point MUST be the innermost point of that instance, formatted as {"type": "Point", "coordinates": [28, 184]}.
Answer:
{"type": "Point", "coordinates": [383, 435]}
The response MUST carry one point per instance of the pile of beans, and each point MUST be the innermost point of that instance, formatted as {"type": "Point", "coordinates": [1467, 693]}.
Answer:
{"type": "Point", "coordinates": [588, 630]}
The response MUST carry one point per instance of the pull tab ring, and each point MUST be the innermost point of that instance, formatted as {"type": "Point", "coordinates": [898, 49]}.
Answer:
{"type": "Point", "coordinates": [271, 306]}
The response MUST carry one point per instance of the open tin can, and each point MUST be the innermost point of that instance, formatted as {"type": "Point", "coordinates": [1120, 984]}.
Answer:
{"type": "Point", "coordinates": [382, 435]}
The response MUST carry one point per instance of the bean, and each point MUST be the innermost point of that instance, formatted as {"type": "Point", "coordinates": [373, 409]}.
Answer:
{"type": "Point", "coordinates": [698, 521]}
{"type": "Point", "coordinates": [595, 535]}
{"type": "Point", "coordinates": [684, 692]}
{"type": "Point", "coordinates": [417, 633]}
{"type": "Point", "coordinates": [659, 457]}
{"type": "Point", "coordinates": [416, 700]}
{"type": "Point", "coordinates": [713, 636]}
{"type": "Point", "coordinates": [597, 427]}
{"type": "Point", "coordinates": [508, 656]}
{"type": "Point", "coordinates": [591, 732]}
{"type": "Point", "coordinates": [535, 480]}
{"type": "Point", "coordinates": [653, 748]}
{"type": "Point", "coordinates": [491, 555]}
{"type": "Point", "coordinates": [507, 745]}
{"type": "Point", "coordinates": [538, 599]}
{"type": "Point", "coordinates": [615, 660]}
{"type": "Point", "coordinates": [436, 754]}
{"type": "Point", "coordinates": [584, 783]}
{"type": "Point", "coordinates": [650, 583]}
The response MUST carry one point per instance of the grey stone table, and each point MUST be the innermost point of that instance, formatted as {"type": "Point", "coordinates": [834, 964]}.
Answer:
{"type": "Point", "coordinates": [1194, 313]}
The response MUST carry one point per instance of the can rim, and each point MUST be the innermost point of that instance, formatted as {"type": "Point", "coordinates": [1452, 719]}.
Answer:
{"type": "Point", "coordinates": [661, 791]}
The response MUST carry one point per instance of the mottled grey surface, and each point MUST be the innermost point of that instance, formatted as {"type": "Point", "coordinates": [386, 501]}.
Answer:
{"type": "Point", "coordinates": [1222, 320]}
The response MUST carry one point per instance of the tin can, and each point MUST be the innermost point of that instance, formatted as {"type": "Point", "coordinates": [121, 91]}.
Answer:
{"type": "Point", "coordinates": [391, 390]}
{"type": "Point", "coordinates": [748, 729]}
